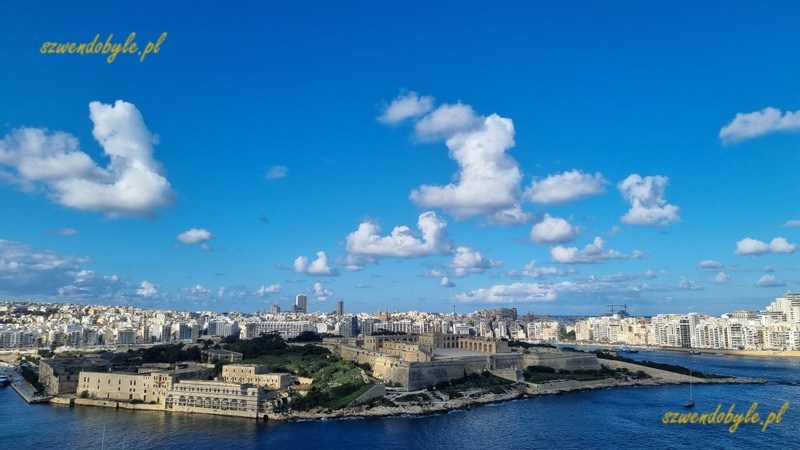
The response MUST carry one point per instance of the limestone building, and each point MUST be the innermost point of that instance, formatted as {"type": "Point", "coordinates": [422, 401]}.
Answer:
{"type": "Point", "coordinates": [256, 374]}
{"type": "Point", "coordinates": [215, 397]}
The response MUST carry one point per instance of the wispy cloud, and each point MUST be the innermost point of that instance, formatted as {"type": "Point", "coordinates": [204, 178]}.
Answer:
{"type": "Point", "coordinates": [710, 264]}
{"type": "Point", "coordinates": [792, 223]}
{"type": "Point", "coordinates": [592, 253]}
{"type": "Point", "coordinates": [769, 281]}
{"type": "Point", "coordinates": [66, 232]}
{"type": "Point", "coordinates": [276, 172]}
{"type": "Point", "coordinates": [758, 123]}
{"type": "Point", "coordinates": [406, 106]}
{"type": "Point", "coordinates": [509, 293]}
{"type": "Point", "coordinates": [27, 271]}
{"type": "Point", "coordinates": [565, 187]}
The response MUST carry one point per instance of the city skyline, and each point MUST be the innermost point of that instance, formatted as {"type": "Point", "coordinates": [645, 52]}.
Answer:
{"type": "Point", "coordinates": [555, 157]}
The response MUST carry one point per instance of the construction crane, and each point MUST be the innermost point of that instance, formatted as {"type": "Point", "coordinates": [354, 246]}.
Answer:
{"type": "Point", "coordinates": [624, 309]}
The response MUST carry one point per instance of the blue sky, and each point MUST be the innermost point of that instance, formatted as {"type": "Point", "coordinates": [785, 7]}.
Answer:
{"type": "Point", "coordinates": [555, 157]}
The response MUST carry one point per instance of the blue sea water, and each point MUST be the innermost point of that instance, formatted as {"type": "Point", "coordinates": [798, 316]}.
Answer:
{"type": "Point", "coordinates": [609, 418]}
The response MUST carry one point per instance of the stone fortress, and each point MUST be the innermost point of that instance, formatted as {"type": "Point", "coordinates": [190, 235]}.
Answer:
{"type": "Point", "coordinates": [415, 362]}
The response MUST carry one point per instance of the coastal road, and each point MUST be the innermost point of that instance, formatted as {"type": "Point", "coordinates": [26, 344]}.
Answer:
{"type": "Point", "coordinates": [23, 388]}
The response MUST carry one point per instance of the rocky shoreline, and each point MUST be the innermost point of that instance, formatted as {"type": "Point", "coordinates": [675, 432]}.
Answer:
{"type": "Point", "coordinates": [517, 391]}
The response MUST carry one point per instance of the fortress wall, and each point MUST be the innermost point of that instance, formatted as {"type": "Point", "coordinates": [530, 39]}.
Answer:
{"type": "Point", "coordinates": [141, 406]}
{"type": "Point", "coordinates": [421, 375]}
{"type": "Point", "coordinates": [514, 375]}
{"type": "Point", "coordinates": [93, 402]}
{"type": "Point", "coordinates": [384, 367]}
{"type": "Point", "coordinates": [561, 360]}
{"type": "Point", "coordinates": [379, 390]}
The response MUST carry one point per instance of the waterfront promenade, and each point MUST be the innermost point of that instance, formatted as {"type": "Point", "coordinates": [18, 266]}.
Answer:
{"type": "Point", "coordinates": [23, 388]}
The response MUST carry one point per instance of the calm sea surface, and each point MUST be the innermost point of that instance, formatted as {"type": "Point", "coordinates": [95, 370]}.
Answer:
{"type": "Point", "coordinates": [610, 418]}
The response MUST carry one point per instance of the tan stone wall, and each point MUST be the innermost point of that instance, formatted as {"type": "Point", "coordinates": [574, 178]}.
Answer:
{"type": "Point", "coordinates": [406, 352]}
{"type": "Point", "coordinates": [422, 375]}
{"type": "Point", "coordinates": [561, 360]}
{"type": "Point", "coordinates": [92, 402]}
{"type": "Point", "coordinates": [387, 368]}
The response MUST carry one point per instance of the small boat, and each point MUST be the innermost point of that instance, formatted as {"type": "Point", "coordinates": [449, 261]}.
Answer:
{"type": "Point", "coordinates": [4, 380]}
{"type": "Point", "coordinates": [690, 403]}
{"type": "Point", "coordinates": [694, 352]}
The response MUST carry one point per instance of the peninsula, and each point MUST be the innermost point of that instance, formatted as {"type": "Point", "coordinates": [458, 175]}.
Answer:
{"type": "Point", "coordinates": [266, 378]}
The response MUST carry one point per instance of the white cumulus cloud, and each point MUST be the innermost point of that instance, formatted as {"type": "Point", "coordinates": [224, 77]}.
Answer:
{"type": "Point", "coordinates": [648, 204]}
{"type": "Point", "coordinates": [318, 267]}
{"type": "Point", "coordinates": [565, 187]}
{"type": "Point", "coordinates": [792, 223]}
{"type": "Point", "coordinates": [147, 289]}
{"type": "Point", "coordinates": [488, 181]}
{"type": "Point", "coordinates": [721, 278]}
{"type": "Point", "coordinates": [321, 292]}
{"type": "Point", "coordinates": [265, 290]}
{"type": "Point", "coordinates": [750, 246]}
{"type": "Point", "coordinates": [133, 184]}
{"type": "Point", "coordinates": [553, 230]}
{"type": "Point", "coordinates": [758, 123]}
{"type": "Point", "coordinates": [594, 252]}
{"type": "Point", "coordinates": [197, 236]}
{"type": "Point", "coordinates": [467, 261]}
{"type": "Point", "coordinates": [402, 242]}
